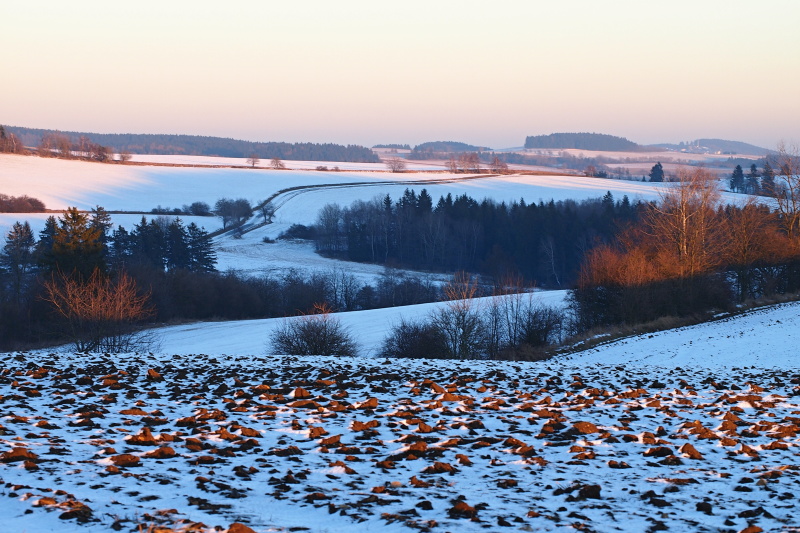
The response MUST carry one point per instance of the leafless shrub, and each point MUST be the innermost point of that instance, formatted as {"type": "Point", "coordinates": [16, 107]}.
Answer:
{"type": "Point", "coordinates": [101, 313]}
{"type": "Point", "coordinates": [313, 334]}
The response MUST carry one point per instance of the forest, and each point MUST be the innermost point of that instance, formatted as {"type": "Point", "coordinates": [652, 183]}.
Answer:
{"type": "Point", "coordinates": [582, 141]}
{"type": "Point", "coordinates": [430, 149]}
{"type": "Point", "coordinates": [202, 145]}
{"type": "Point", "coordinates": [543, 242]}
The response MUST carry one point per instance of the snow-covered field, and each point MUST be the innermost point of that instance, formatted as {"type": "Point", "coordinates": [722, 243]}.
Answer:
{"type": "Point", "coordinates": [766, 337]}
{"type": "Point", "coordinates": [341, 445]}
{"type": "Point", "coordinates": [369, 328]}
{"type": "Point", "coordinates": [63, 183]}
{"type": "Point", "coordinates": [691, 429]}
{"type": "Point", "coordinates": [289, 164]}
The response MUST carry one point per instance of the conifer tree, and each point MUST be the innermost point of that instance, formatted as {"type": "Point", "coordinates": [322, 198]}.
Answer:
{"type": "Point", "coordinates": [77, 246]}
{"type": "Point", "coordinates": [17, 257]}
{"type": "Point", "coordinates": [737, 179]}
{"type": "Point", "coordinates": [657, 173]}
{"type": "Point", "coordinates": [202, 257]}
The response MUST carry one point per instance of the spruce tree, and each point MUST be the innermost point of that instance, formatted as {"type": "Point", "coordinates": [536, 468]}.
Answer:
{"type": "Point", "coordinates": [737, 179]}
{"type": "Point", "coordinates": [177, 246]}
{"type": "Point", "coordinates": [657, 173]}
{"type": "Point", "coordinates": [768, 180]}
{"type": "Point", "coordinates": [17, 257]}
{"type": "Point", "coordinates": [752, 186]}
{"type": "Point", "coordinates": [202, 257]}
{"type": "Point", "coordinates": [77, 246]}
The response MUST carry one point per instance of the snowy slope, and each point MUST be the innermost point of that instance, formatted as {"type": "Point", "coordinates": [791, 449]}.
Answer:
{"type": "Point", "coordinates": [94, 442]}
{"type": "Point", "coordinates": [766, 337]}
{"type": "Point", "coordinates": [369, 328]}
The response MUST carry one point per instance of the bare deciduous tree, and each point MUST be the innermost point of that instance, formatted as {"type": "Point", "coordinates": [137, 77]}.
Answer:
{"type": "Point", "coordinates": [684, 225]}
{"type": "Point", "coordinates": [452, 164]}
{"type": "Point", "coordinates": [499, 166]}
{"type": "Point", "coordinates": [277, 164]}
{"type": "Point", "coordinates": [460, 320]}
{"type": "Point", "coordinates": [100, 313]}
{"type": "Point", "coordinates": [253, 160]}
{"type": "Point", "coordinates": [396, 164]}
{"type": "Point", "coordinates": [787, 188]}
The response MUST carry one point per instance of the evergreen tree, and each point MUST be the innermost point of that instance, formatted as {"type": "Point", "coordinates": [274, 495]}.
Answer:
{"type": "Point", "coordinates": [657, 173]}
{"type": "Point", "coordinates": [44, 248]}
{"type": "Point", "coordinates": [120, 247]}
{"type": "Point", "coordinates": [77, 246]}
{"type": "Point", "coordinates": [424, 202]}
{"type": "Point", "coordinates": [17, 257]}
{"type": "Point", "coordinates": [768, 180]}
{"type": "Point", "coordinates": [737, 179]}
{"type": "Point", "coordinates": [752, 186]}
{"type": "Point", "coordinates": [149, 244]}
{"type": "Point", "coordinates": [177, 246]}
{"type": "Point", "coordinates": [202, 257]}
{"type": "Point", "coordinates": [101, 220]}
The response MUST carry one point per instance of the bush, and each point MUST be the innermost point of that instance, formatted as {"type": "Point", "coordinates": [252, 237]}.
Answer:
{"type": "Point", "coordinates": [298, 231]}
{"type": "Point", "coordinates": [314, 334]}
{"type": "Point", "coordinates": [415, 340]}
{"type": "Point", "coordinates": [100, 314]}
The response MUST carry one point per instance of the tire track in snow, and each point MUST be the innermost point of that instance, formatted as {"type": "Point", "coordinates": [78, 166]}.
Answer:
{"type": "Point", "coordinates": [283, 196]}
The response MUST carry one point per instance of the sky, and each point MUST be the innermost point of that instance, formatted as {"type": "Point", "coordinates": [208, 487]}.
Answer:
{"type": "Point", "coordinates": [368, 72]}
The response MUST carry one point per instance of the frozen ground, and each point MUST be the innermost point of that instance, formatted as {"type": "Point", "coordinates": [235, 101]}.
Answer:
{"type": "Point", "coordinates": [763, 337]}
{"type": "Point", "coordinates": [98, 442]}
{"type": "Point", "coordinates": [369, 328]}
{"type": "Point", "coordinates": [694, 429]}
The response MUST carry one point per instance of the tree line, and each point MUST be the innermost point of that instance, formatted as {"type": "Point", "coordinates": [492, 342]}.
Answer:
{"type": "Point", "coordinates": [689, 254]}
{"type": "Point", "coordinates": [200, 145]}
{"type": "Point", "coordinates": [542, 242]}
{"type": "Point", "coordinates": [78, 282]}
{"type": "Point", "coordinates": [582, 141]}
{"type": "Point", "coordinates": [20, 204]}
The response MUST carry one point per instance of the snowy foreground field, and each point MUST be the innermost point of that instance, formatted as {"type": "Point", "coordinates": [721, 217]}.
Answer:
{"type": "Point", "coordinates": [625, 437]}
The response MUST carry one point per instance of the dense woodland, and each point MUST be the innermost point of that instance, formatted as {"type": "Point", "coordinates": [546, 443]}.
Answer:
{"type": "Point", "coordinates": [582, 141]}
{"type": "Point", "coordinates": [428, 150]}
{"type": "Point", "coordinates": [393, 146]}
{"type": "Point", "coordinates": [201, 145]}
{"type": "Point", "coordinates": [544, 243]}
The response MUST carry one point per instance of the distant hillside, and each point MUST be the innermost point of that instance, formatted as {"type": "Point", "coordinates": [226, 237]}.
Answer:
{"type": "Point", "coordinates": [582, 141]}
{"type": "Point", "coordinates": [209, 146]}
{"type": "Point", "coordinates": [448, 146]}
{"type": "Point", "coordinates": [713, 146]}
{"type": "Point", "coordinates": [393, 146]}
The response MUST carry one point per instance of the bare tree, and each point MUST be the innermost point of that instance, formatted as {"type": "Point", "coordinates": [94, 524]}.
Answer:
{"type": "Point", "coordinates": [396, 164]}
{"type": "Point", "coordinates": [267, 211]}
{"type": "Point", "coordinates": [253, 160]}
{"type": "Point", "coordinates": [787, 188]}
{"type": "Point", "coordinates": [277, 164]}
{"type": "Point", "coordinates": [460, 320]}
{"type": "Point", "coordinates": [684, 226]}
{"type": "Point", "coordinates": [499, 166]}
{"type": "Point", "coordinates": [452, 164]}
{"type": "Point", "coordinates": [100, 313]}
{"type": "Point", "coordinates": [124, 156]}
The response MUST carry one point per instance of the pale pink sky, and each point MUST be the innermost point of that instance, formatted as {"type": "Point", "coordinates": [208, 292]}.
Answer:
{"type": "Point", "coordinates": [367, 72]}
